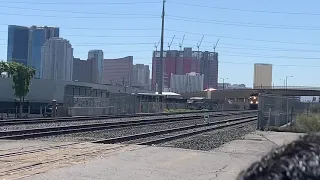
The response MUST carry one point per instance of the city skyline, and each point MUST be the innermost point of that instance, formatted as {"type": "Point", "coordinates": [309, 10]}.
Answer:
{"type": "Point", "coordinates": [251, 34]}
{"type": "Point", "coordinates": [184, 61]}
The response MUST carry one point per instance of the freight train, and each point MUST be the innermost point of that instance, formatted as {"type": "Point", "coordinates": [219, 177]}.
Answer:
{"type": "Point", "coordinates": [254, 101]}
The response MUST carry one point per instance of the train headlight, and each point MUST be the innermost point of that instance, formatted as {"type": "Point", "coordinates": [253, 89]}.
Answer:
{"type": "Point", "coordinates": [251, 102]}
{"type": "Point", "coordinates": [254, 97]}
{"type": "Point", "coordinates": [256, 102]}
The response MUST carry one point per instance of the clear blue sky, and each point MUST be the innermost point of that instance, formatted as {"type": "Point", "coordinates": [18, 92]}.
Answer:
{"type": "Point", "coordinates": [108, 25]}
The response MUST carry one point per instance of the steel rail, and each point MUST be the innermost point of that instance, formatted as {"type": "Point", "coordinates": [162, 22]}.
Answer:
{"type": "Point", "coordinates": [154, 133]}
{"type": "Point", "coordinates": [88, 118]}
{"type": "Point", "coordinates": [40, 132]}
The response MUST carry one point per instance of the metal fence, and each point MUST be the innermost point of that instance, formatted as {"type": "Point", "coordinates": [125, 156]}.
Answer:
{"type": "Point", "coordinates": [277, 110]}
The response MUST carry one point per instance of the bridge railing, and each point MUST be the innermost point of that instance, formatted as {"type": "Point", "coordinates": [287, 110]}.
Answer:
{"type": "Point", "coordinates": [288, 87]}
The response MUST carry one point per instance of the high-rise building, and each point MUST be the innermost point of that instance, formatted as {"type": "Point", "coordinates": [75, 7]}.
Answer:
{"type": "Point", "coordinates": [98, 55]}
{"type": "Point", "coordinates": [18, 41]}
{"type": "Point", "coordinates": [209, 68]}
{"type": "Point", "coordinates": [24, 44]}
{"type": "Point", "coordinates": [262, 77]}
{"type": "Point", "coordinates": [37, 37]}
{"type": "Point", "coordinates": [141, 76]}
{"type": "Point", "coordinates": [118, 71]}
{"type": "Point", "coordinates": [191, 82]}
{"type": "Point", "coordinates": [85, 70]}
{"type": "Point", "coordinates": [183, 62]}
{"type": "Point", "coordinates": [57, 59]}
{"type": "Point", "coordinates": [175, 62]}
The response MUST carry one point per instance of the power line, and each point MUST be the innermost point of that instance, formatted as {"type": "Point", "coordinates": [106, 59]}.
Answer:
{"type": "Point", "coordinates": [270, 56]}
{"type": "Point", "coordinates": [281, 65]}
{"type": "Point", "coordinates": [105, 44]}
{"type": "Point", "coordinates": [228, 45]}
{"type": "Point", "coordinates": [81, 3]}
{"type": "Point", "coordinates": [80, 17]}
{"type": "Point", "coordinates": [232, 23]}
{"type": "Point", "coordinates": [78, 12]}
{"type": "Point", "coordinates": [233, 46]}
{"type": "Point", "coordinates": [246, 39]}
{"type": "Point", "coordinates": [270, 49]}
{"type": "Point", "coordinates": [181, 18]}
{"type": "Point", "coordinates": [222, 53]}
{"type": "Point", "coordinates": [158, 2]}
{"type": "Point", "coordinates": [236, 46]}
{"type": "Point", "coordinates": [245, 10]}
{"type": "Point", "coordinates": [97, 28]}
{"type": "Point", "coordinates": [242, 24]}
{"type": "Point", "coordinates": [194, 33]}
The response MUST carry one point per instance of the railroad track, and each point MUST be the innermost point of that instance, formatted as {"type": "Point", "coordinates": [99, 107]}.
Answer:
{"type": "Point", "coordinates": [19, 172]}
{"type": "Point", "coordinates": [177, 133]}
{"type": "Point", "coordinates": [89, 118]}
{"type": "Point", "coordinates": [149, 138]}
{"type": "Point", "coordinates": [59, 130]}
{"type": "Point", "coordinates": [132, 139]}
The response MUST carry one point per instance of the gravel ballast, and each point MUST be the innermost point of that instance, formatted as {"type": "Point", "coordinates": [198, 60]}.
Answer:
{"type": "Point", "coordinates": [147, 139]}
{"type": "Point", "coordinates": [118, 132]}
{"type": "Point", "coordinates": [210, 140]}
{"type": "Point", "coordinates": [71, 122]}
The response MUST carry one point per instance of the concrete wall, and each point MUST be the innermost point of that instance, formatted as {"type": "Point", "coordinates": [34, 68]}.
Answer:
{"type": "Point", "coordinates": [90, 111]}
{"type": "Point", "coordinates": [40, 91]}
{"type": "Point", "coordinates": [44, 90]}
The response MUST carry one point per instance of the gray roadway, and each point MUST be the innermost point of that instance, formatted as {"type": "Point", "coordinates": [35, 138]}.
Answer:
{"type": "Point", "coordinates": [162, 163]}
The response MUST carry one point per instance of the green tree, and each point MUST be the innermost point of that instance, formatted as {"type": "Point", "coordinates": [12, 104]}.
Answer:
{"type": "Point", "coordinates": [21, 77]}
{"type": "Point", "coordinates": [3, 67]}
{"type": "Point", "coordinates": [9, 68]}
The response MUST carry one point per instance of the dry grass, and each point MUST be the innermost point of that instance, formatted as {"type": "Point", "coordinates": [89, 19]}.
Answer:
{"type": "Point", "coordinates": [309, 123]}
{"type": "Point", "coordinates": [305, 123]}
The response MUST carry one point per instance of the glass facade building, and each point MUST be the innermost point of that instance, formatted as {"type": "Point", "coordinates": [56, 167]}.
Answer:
{"type": "Point", "coordinates": [97, 54]}
{"type": "Point", "coordinates": [18, 42]}
{"type": "Point", "coordinates": [37, 37]}
{"type": "Point", "coordinates": [24, 44]}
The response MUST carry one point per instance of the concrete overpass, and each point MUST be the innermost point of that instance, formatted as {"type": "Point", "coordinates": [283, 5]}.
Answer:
{"type": "Point", "coordinates": [245, 93]}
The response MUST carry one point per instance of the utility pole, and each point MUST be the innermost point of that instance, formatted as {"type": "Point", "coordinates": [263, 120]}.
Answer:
{"type": "Point", "coordinates": [122, 81]}
{"type": "Point", "coordinates": [161, 50]}
{"type": "Point", "coordinates": [287, 81]}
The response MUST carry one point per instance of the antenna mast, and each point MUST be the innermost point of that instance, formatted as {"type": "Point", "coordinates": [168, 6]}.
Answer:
{"type": "Point", "coordinates": [199, 44]}
{"type": "Point", "coordinates": [181, 44]}
{"type": "Point", "coordinates": [169, 45]}
{"type": "Point", "coordinates": [215, 46]}
{"type": "Point", "coordinates": [156, 45]}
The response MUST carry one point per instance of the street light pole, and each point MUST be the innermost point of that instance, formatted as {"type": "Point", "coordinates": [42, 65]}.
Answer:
{"type": "Point", "coordinates": [287, 81]}
{"type": "Point", "coordinates": [287, 114]}
{"type": "Point", "coordinates": [284, 82]}
{"type": "Point", "coordinates": [223, 82]}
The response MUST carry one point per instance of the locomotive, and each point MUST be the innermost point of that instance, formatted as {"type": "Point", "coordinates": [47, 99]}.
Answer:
{"type": "Point", "coordinates": [254, 101]}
